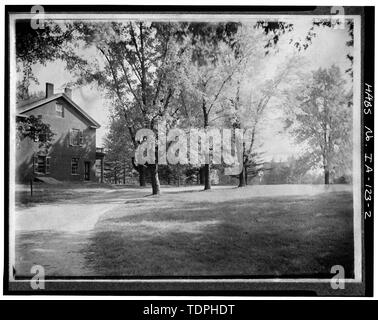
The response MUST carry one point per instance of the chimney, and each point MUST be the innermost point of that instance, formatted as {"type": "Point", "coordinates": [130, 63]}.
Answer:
{"type": "Point", "coordinates": [68, 92]}
{"type": "Point", "coordinates": [49, 89]}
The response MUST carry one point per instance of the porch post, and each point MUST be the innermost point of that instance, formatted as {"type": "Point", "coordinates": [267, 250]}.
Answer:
{"type": "Point", "coordinates": [102, 169]}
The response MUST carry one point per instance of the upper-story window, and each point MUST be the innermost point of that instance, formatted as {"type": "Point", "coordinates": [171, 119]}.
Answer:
{"type": "Point", "coordinates": [76, 137]}
{"type": "Point", "coordinates": [59, 110]}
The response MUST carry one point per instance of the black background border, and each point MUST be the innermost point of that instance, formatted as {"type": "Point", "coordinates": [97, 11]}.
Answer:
{"type": "Point", "coordinates": [205, 289]}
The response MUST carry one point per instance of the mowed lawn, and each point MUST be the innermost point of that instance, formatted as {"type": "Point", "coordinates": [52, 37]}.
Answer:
{"type": "Point", "coordinates": [222, 232]}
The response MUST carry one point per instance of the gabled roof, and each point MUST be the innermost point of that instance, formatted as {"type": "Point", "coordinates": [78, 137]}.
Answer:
{"type": "Point", "coordinates": [36, 104]}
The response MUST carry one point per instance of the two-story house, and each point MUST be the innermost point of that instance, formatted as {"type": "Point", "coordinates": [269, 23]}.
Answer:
{"type": "Point", "coordinates": [72, 154]}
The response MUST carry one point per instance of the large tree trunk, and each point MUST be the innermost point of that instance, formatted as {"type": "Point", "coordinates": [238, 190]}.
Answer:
{"type": "Point", "coordinates": [206, 170]}
{"type": "Point", "coordinates": [246, 175]}
{"type": "Point", "coordinates": [141, 171]}
{"type": "Point", "coordinates": [201, 176]}
{"type": "Point", "coordinates": [242, 178]}
{"type": "Point", "coordinates": [326, 169]}
{"type": "Point", "coordinates": [142, 176]}
{"type": "Point", "coordinates": [154, 178]}
{"type": "Point", "coordinates": [326, 175]}
{"type": "Point", "coordinates": [207, 165]}
{"type": "Point", "coordinates": [325, 156]}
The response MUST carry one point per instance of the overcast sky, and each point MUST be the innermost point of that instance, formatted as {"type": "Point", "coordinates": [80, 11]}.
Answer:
{"type": "Point", "coordinates": [327, 48]}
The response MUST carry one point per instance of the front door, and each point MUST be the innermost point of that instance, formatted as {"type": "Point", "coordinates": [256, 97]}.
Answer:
{"type": "Point", "coordinates": [87, 165]}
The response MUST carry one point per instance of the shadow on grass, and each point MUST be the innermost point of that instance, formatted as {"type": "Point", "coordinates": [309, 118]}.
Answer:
{"type": "Point", "coordinates": [261, 236]}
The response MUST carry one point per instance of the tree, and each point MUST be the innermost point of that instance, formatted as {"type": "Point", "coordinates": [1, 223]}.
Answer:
{"type": "Point", "coordinates": [330, 23]}
{"type": "Point", "coordinates": [33, 128]}
{"type": "Point", "coordinates": [214, 66]}
{"type": "Point", "coordinates": [38, 46]}
{"type": "Point", "coordinates": [119, 149]}
{"type": "Point", "coordinates": [253, 94]}
{"type": "Point", "coordinates": [253, 165]}
{"type": "Point", "coordinates": [321, 117]}
{"type": "Point", "coordinates": [276, 29]}
{"type": "Point", "coordinates": [141, 72]}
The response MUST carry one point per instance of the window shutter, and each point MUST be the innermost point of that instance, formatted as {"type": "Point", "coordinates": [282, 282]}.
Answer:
{"type": "Point", "coordinates": [71, 138]}
{"type": "Point", "coordinates": [81, 141]}
{"type": "Point", "coordinates": [47, 167]}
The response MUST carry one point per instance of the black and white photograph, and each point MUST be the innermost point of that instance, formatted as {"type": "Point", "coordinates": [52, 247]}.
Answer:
{"type": "Point", "coordinates": [189, 150]}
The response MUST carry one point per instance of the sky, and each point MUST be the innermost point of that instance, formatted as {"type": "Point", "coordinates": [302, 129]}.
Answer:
{"type": "Point", "coordinates": [327, 48]}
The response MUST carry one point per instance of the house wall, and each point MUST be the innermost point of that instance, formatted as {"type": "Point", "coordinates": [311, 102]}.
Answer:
{"type": "Point", "coordinates": [61, 152]}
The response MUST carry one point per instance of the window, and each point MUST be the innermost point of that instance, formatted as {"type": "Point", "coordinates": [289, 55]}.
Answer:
{"type": "Point", "coordinates": [59, 110]}
{"type": "Point", "coordinates": [41, 164]}
{"type": "Point", "coordinates": [76, 137]}
{"type": "Point", "coordinates": [75, 166]}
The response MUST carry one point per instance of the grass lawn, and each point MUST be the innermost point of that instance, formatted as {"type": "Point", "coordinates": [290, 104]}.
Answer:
{"type": "Point", "coordinates": [49, 193]}
{"type": "Point", "coordinates": [222, 232]}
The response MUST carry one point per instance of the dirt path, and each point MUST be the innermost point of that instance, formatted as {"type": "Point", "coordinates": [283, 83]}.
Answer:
{"type": "Point", "coordinates": [80, 214]}
{"type": "Point", "coordinates": [55, 235]}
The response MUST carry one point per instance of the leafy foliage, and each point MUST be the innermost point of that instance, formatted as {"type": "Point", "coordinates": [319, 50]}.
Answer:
{"type": "Point", "coordinates": [34, 128]}
{"type": "Point", "coordinates": [321, 118]}
{"type": "Point", "coordinates": [38, 46]}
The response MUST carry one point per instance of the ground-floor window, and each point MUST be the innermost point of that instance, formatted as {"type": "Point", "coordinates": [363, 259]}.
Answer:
{"type": "Point", "coordinates": [75, 166]}
{"type": "Point", "coordinates": [42, 164]}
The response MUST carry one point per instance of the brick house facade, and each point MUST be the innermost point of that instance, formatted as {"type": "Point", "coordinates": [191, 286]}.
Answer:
{"type": "Point", "coordinates": [72, 154]}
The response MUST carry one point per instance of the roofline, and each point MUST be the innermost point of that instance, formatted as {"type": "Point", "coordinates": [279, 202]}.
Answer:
{"type": "Point", "coordinates": [38, 103]}
{"type": "Point", "coordinates": [96, 124]}
{"type": "Point", "coordinates": [21, 115]}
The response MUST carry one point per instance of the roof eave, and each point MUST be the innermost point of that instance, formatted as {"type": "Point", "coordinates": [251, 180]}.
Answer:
{"type": "Point", "coordinates": [95, 124]}
{"type": "Point", "coordinates": [36, 104]}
